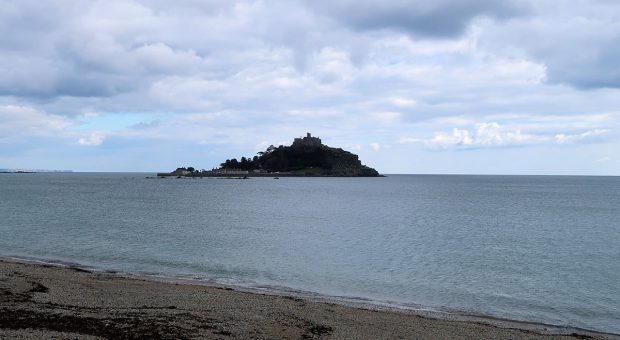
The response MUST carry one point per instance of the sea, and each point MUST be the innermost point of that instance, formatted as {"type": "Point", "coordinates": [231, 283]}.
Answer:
{"type": "Point", "coordinates": [542, 249]}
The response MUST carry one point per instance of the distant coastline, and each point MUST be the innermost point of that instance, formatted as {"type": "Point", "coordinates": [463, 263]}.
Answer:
{"type": "Point", "coordinates": [30, 171]}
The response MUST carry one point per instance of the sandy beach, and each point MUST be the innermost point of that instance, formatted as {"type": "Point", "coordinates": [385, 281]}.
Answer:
{"type": "Point", "coordinates": [45, 301]}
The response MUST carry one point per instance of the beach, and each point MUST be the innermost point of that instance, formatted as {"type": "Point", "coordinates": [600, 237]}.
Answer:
{"type": "Point", "coordinates": [43, 301]}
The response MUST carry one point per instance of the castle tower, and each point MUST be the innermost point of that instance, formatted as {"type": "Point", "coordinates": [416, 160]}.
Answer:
{"type": "Point", "coordinates": [307, 141]}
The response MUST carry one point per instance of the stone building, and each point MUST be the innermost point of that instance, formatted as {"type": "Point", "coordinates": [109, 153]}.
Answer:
{"type": "Point", "coordinates": [307, 141]}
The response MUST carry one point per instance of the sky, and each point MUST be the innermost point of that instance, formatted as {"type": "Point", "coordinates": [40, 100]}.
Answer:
{"type": "Point", "coordinates": [443, 86]}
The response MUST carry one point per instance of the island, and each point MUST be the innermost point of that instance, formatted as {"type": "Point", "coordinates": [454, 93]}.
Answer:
{"type": "Point", "coordinates": [306, 157]}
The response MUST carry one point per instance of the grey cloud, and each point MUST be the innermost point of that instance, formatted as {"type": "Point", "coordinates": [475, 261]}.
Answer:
{"type": "Point", "coordinates": [579, 44]}
{"type": "Point", "coordinates": [582, 57]}
{"type": "Point", "coordinates": [24, 21]}
{"type": "Point", "coordinates": [598, 67]}
{"type": "Point", "coordinates": [46, 78]}
{"type": "Point", "coordinates": [32, 58]}
{"type": "Point", "coordinates": [71, 56]}
{"type": "Point", "coordinates": [265, 55]}
{"type": "Point", "coordinates": [102, 49]}
{"type": "Point", "coordinates": [440, 18]}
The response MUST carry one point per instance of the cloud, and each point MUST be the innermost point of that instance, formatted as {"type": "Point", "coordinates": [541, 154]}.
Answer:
{"type": "Point", "coordinates": [484, 135]}
{"type": "Point", "coordinates": [492, 134]}
{"type": "Point", "coordinates": [403, 102]}
{"type": "Point", "coordinates": [222, 75]}
{"type": "Point", "coordinates": [109, 48]}
{"type": "Point", "coordinates": [332, 65]}
{"type": "Point", "coordinates": [440, 18]}
{"type": "Point", "coordinates": [386, 117]}
{"type": "Point", "coordinates": [587, 136]}
{"type": "Point", "coordinates": [19, 122]}
{"type": "Point", "coordinates": [578, 44]}
{"type": "Point", "coordinates": [95, 49]}
{"type": "Point", "coordinates": [93, 139]}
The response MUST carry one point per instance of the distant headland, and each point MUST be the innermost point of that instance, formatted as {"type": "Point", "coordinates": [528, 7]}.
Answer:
{"type": "Point", "coordinates": [306, 157]}
{"type": "Point", "coordinates": [28, 171]}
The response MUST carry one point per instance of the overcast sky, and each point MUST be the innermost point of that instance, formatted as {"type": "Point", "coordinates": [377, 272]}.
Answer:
{"type": "Point", "coordinates": [443, 86]}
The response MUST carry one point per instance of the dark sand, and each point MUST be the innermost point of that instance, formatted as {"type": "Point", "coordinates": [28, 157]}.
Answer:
{"type": "Point", "coordinates": [41, 302]}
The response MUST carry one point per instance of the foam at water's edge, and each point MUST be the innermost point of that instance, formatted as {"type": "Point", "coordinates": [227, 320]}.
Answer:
{"type": "Point", "coordinates": [354, 302]}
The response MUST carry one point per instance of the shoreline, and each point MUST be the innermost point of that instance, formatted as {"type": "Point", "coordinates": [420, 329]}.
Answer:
{"type": "Point", "coordinates": [253, 175]}
{"type": "Point", "coordinates": [238, 312]}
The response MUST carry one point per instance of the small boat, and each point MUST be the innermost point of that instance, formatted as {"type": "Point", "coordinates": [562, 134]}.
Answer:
{"type": "Point", "coordinates": [276, 178]}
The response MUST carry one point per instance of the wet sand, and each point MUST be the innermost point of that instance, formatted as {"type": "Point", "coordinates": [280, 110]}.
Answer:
{"type": "Point", "coordinates": [42, 301]}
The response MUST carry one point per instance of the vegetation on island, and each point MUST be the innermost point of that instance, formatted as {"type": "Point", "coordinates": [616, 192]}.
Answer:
{"type": "Point", "coordinates": [312, 160]}
{"type": "Point", "coordinates": [307, 156]}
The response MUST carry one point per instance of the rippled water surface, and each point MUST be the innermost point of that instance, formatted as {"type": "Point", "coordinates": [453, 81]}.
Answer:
{"type": "Point", "coordinates": [543, 249]}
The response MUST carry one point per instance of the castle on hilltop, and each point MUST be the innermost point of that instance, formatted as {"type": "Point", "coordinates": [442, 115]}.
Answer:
{"type": "Point", "coordinates": [306, 157]}
{"type": "Point", "coordinates": [307, 141]}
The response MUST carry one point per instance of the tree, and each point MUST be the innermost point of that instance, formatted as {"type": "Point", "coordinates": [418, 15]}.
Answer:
{"type": "Point", "coordinates": [244, 164]}
{"type": "Point", "coordinates": [255, 163]}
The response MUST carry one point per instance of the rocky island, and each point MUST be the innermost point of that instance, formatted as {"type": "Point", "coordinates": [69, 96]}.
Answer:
{"type": "Point", "coordinates": [307, 156]}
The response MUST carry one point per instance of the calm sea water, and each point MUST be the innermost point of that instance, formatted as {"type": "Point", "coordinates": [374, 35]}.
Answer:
{"type": "Point", "coordinates": [543, 249]}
